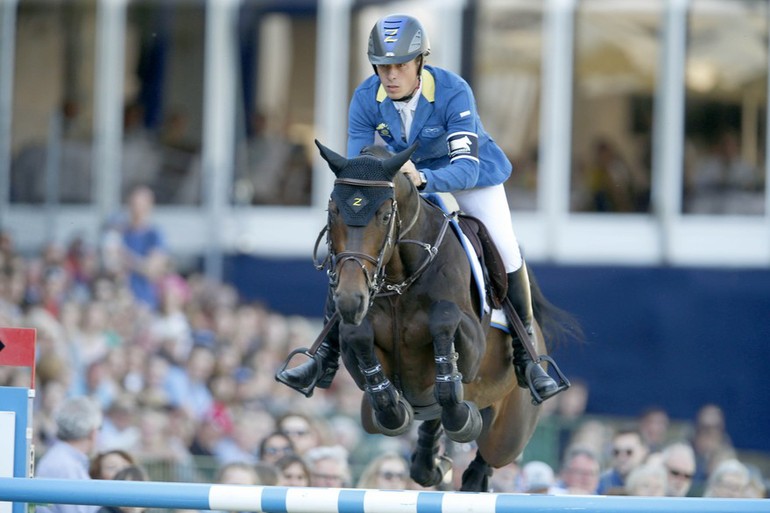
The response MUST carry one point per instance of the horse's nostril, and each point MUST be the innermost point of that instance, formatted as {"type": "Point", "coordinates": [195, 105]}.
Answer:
{"type": "Point", "coordinates": [351, 306]}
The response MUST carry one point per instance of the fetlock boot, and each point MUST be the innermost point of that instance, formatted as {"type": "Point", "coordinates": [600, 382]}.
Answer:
{"type": "Point", "coordinates": [521, 298]}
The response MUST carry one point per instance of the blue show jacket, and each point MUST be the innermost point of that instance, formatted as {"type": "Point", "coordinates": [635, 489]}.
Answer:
{"type": "Point", "coordinates": [446, 108]}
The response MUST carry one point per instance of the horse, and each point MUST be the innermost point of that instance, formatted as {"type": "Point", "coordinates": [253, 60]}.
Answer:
{"type": "Point", "coordinates": [411, 333]}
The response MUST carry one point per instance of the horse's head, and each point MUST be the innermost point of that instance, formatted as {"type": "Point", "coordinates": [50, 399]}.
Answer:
{"type": "Point", "coordinates": [363, 224]}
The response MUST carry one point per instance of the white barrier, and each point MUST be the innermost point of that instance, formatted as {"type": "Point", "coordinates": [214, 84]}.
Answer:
{"type": "Point", "coordinates": [276, 499]}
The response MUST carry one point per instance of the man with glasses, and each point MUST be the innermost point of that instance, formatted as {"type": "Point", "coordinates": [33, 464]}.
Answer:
{"type": "Point", "coordinates": [679, 460]}
{"type": "Point", "coordinates": [580, 472]}
{"type": "Point", "coordinates": [329, 467]}
{"type": "Point", "coordinates": [628, 452]}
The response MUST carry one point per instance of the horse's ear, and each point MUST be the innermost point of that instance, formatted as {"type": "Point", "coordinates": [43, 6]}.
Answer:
{"type": "Point", "coordinates": [394, 163]}
{"type": "Point", "coordinates": [336, 162]}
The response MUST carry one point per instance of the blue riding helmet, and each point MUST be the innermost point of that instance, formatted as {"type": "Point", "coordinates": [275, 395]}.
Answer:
{"type": "Point", "coordinates": [397, 38]}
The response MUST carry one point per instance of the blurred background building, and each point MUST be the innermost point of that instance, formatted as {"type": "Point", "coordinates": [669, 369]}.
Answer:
{"type": "Point", "coordinates": [638, 131]}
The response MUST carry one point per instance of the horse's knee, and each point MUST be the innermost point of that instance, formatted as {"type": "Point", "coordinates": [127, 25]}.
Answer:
{"type": "Point", "coordinates": [357, 336]}
{"type": "Point", "coordinates": [444, 319]}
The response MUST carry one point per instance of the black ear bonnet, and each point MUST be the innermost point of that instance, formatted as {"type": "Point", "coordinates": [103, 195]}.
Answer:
{"type": "Point", "coordinates": [358, 203]}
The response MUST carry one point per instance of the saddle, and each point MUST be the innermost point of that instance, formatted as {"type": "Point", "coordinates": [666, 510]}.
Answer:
{"type": "Point", "coordinates": [477, 235]}
{"type": "Point", "coordinates": [492, 265]}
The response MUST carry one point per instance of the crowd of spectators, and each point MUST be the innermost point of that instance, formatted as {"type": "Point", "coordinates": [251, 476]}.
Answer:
{"type": "Point", "coordinates": [182, 382]}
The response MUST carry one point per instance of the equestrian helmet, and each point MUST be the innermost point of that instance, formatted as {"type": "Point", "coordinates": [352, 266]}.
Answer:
{"type": "Point", "coordinates": [396, 39]}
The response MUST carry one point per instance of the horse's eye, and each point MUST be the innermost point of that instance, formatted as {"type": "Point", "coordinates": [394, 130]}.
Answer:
{"type": "Point", "coordinates": [386, 216]}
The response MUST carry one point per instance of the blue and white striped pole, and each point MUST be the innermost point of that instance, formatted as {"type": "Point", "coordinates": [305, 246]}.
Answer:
{"type": "Point", "coordinates": [277, 499]}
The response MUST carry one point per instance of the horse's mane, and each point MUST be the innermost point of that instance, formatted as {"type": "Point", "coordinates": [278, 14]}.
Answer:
{"type": "Point", "coordinates": [376, 151]}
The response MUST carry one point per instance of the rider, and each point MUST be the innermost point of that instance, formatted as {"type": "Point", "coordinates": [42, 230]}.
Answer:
{"type": "Point", "coordinates": [408, 101]}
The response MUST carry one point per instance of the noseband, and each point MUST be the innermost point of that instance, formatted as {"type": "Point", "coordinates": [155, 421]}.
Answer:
{"type": "Point", "coordinates": [376, 281]}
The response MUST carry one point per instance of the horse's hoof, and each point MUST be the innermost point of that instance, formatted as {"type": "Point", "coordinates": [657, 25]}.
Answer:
{"type": "Point", "coordinates": [472, 428]}
{"type": "Point", "coordinates": [476, 476]}
{"type": "Point", "coordinates": [431, 476]}
{"type": "Point", "coordinates": [404, 427]}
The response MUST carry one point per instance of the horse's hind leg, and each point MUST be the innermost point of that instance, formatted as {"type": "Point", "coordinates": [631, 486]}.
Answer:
{"type": "Point", "coordinates": [428, 468]}
{"type": "Point", "coordinates": [476, 476]}
{"type": "Point", "coordinates": [392, 413]}
{"type": "Point", "coordinates": [461, 419]}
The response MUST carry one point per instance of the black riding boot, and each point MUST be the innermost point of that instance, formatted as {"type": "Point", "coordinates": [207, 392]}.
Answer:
{"type": "Point", "coordinates": [324, 364]}
{"type": "Point", "coordinates": [318, 371]}
{"type": "Point", "coordinates": [521, 298]}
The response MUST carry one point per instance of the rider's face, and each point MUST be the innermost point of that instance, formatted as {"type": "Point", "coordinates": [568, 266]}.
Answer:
{"type": "Point", "coordinates": [399, 80]}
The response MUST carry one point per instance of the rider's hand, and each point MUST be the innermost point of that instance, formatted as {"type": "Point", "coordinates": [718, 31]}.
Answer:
{"type": "Point", "coordinates": [411, 172]}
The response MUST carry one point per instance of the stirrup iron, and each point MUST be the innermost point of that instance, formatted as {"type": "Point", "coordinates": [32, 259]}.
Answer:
{"type": "Point", "coordinates": [563, 382]}
{"type": "Point", "coordinates": [308, 390]}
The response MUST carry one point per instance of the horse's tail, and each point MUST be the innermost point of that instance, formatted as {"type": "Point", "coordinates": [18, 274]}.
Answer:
{"type": "Point", "coordinates": [557, 324]}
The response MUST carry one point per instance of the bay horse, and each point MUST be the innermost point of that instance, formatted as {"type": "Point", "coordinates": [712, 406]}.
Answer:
{"type": "Point", "coordinates": [411, 332]}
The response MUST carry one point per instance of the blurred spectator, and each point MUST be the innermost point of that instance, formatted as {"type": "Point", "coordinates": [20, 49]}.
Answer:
{"type": "Point", "coordinates": [270, 168]}
{"type": "Point", "coordinates": [628, 452]}
{"type": "Point", "coordinates": [267, 472]}
{"type": "Point", "coordinates": [756, 489]}
{"type": "Point", "coordinates": [723, 182]}
{"type": "Point", "coordinates": [187, 386]}
{"type": "Point", "coordinates": [647, 480]}
{"type": "Point", "coordinates": [537, 477]}
{"type": "Point", "coordinates": [129, 473]}
{"type": "Point", "coordinates": [159, 444]}
{"type": "Point", "coordinates": [209, 431]}
{"type": "Point", "coordinates": [389, 471]}
{"type": "Point", "coordinates": [580, 471]}
{"type": "Point", "coordinates": [505, 479]}
{"type": "Point", "coordinates": [146, 253]}
{"type": "Point", "coordinates": [328, 466]}
{"type": "Point", "coordinates": [292, 471]}
{"type": "Point", "coordinates": [300, 428]}
{"type": "Point", "coordinates": [653, 426]}
{"type": "Point", "coordinates": [170, 330]}
{"type": "Point", "coordinates": [237, 473]}
{"type": "Point", "coordinates": [105, 465]}
{"type": "Point", "coordinates": [613, 186]}
{"type": "Point", "coordinates": [78, 422]}
{"type": "Point", "coordinates": [710, 442]}
{"type": "Point", "coordinates": [730, 479]}
{"type": "Point", "coordinates": [679, 460]}
{"type": "Point", "coordinates": [141, 153]}
{"type": "Point", "coordinates": [275, 446]}
{"type": "Point", "coordinates": [243, 444]}
{"type": "Point", "coordinates": [120, 430]}
{"type": "Point", "coordinates": [570, 412]}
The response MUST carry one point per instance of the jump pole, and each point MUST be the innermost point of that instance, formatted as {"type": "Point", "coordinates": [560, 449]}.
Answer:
{"type": "Point", "coordinates": [277, 499]}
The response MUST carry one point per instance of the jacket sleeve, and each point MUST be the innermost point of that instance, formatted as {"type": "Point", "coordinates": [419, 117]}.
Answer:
{"type": "Point", "coordinates": [462, 142]}
{"type": "Point", "coordinates": [360, 125]}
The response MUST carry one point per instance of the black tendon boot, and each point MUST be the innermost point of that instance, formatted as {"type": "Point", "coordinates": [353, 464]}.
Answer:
{"type": "Point", "coordinates": [319, 369]}
{"type": "Point", "coordinates": [521, 298]}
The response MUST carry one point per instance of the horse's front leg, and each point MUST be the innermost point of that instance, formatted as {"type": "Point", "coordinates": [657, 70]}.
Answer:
{"type": "Point", "coordinates": [392, 414]}
{"type": "Point", "coordinates": [461, 419]}
{"type": "Point", "coordinates": [428, 468]}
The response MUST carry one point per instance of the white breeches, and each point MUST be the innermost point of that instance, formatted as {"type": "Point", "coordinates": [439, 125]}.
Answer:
{"type": "Point", "coordinates": [490, 206]}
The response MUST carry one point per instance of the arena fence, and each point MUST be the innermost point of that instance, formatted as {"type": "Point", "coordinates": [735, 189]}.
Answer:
{"type": "Point", "coordinates": [276, 499]}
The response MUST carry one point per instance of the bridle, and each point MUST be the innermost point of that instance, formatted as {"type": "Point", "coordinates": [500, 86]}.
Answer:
{"type": "Point", "coordinates": [377, 280]}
